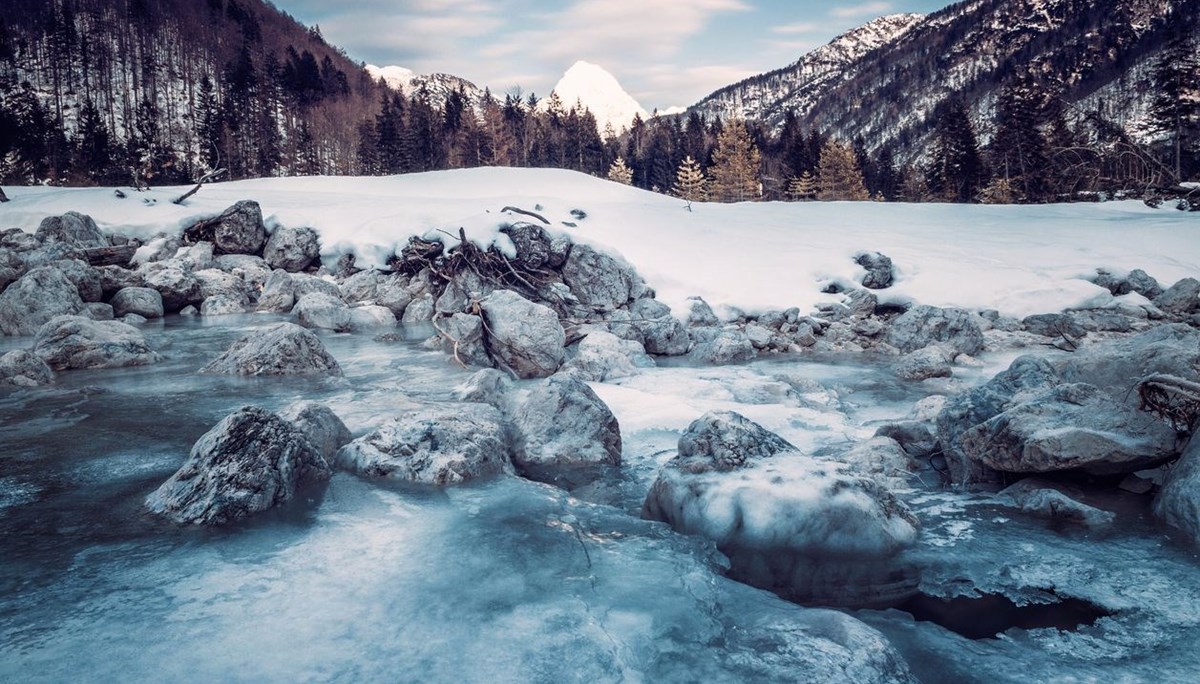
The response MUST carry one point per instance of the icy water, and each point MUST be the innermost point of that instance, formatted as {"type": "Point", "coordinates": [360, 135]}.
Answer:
{"type": "Point", "coordinates": [506, 580]}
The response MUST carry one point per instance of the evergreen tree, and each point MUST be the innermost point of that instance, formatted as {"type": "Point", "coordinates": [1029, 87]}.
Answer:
{"type": "Point", "coordinates": [690, 183]}
{"type": "Point", "coordinates": [1019, 150]}
{"type": "Point", "coordinates": [307, 161]}
{"type": "Point", "coordinates": [735, 167]}
{"type": "Point", "coordinates": [840, 178]}
{"type": "Point", "coordinates": [1175, 109]}
{"type": "Point", "coordinates": [913, 187]}
{"type": "Point", "coordinates": [620, 173]}
{"type": "Point", "coordinates": [208, 123]}
{"type": "Point", "coordinates": [802, 187]}
{"type": "Point", "coordinates": [956, 168]}
{"type": "Point", "coordinates": [93, 145]}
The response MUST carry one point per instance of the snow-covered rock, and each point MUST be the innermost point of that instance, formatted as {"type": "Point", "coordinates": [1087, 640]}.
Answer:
{"type": "Point", "coordinates": [281, 349]}
{"type": "Point", "coordinates": [23, 368]}
{"type": "Point", "coordinates": [73, 228]}
{"type": "Point", "coordinates": [602, 356]}
{"type": "Point", "coordinates": [599, 280]}
{"type": "Point", "coordinates": [249, 462]}
{"type": "Point", "coordinates": [880, 274]}
{"type": "Point", "coordinates": [526, 337]}
{"type": "Point", "coordinates": [445, 444]}
{"type": "Point", "coordinates": [143, 301]}
{"type": "Point", "coordinates": [239, 229]}
{"type": "Point", "coordinates": [567, 434]}
{"type": "Point", "coordinates": [35, 298]}
{"type": "Point", "coordinates": [292, 249]}
{"type": "Point", "coordinates": [76, 342]}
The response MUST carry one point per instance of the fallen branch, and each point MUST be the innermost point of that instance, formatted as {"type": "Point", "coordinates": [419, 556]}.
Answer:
{"type": "Point", "coordinates": [3, 197]}
{"type": "Point", "coordinates": [109, 256]}
{"type": "Point", "coordinates": [1173, 398]}
{"type": "Point", "coordinates": [211, 175]}
{"type": "Point", "coordinates": [517, 210]}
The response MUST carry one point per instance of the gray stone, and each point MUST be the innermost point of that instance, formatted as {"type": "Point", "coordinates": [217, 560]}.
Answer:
{"type": "Point", "coordinates": [113, 279]}
{"type": "Point", "coordinates": [1178, 502]}
{"type": "Point", "coordinates": [281, 349]}
{"type": "Point", "coordinates": [392, 292]}
{"type": "Point", "coordinates": [160, 248]}
{"type": "Point", "coordinates": [1054, 325]}
{"type": "Point", "coordinates": [1181, 298]}
{"type": "Point", "coordinates": [729, 346]}
{"type": "Point", "coordinates": [178, 287]}
{"type": "Point", "coordinates": [23, 368]}
{"type": "Point", "coordinates": [35, 298]}
{"type": "Point", "coordinates": [916, 438]}
{"type": "Point", "coordinates": [85, 278]}
{"type": "Point", "coordinates": [881, 459]}
{"type": "Point", "coordinates": [73, 228]}
{"type": "Point", "coordinates": [1045, 500]}
{"type": "Point", "coordinates": [525, 337]}
{"type": "Point", "coordinates": [461, 336]}
{"type": "Point", "coordinates": [143, 301]}
{"type": "Point", "coordinates": [567, 435]}
{"type": "Point", "coordinates": [370, 317]}
{"type": "Point", "coordinates": [249, 268]}
{"type": "Point", "coordinates": [599, 280]}
{"type": "Point", "coordinates": [487, 386]}
{"type": "Point", "coordinates": [861, 302]}
{"type": "Point", "coordinates": [278, 293]}
{"type": "Point", "coordinates": [419, 310]}
{"type": "Point", "coordinates": [197, 257]}
{"type": "Point", "coordinates": [322, 311]}
{"type": "Point", "coordinates": [923, 325]}
{"type": "Point", "coordinates": [533, 245]}
{"type": "Point", "coordinates": [440, 445]}
{"type": "Point", "coordinates": [98, 311]}
{"type": "Point", "coordinates": [361, 287]}
{"type": "Point", "coordinates": [222, 305]}
{"type": "Point", "coordinates": [249, 462]}
{"type": "Point", "coordinates": [12, 267]}
{"type": "Point", "coordinates": [75, 342]}
{"type": "Point", "coordinates": [134, 319]}
{"type": "Point", "coordinates": [215, 282]}
{"type": "Point", "coordinates": [923, 364]}
{"type": "Point", "coordinates": [700, 314]}
{"type": "Point", "coordinates": [292, 249]}
{"type": "Point", "coordinates": [879, 270]}
{"type": "Point", "coordinates": [1144, 284]}
{"type": "Point", "coordinates": [661, 333]}
{"type": "Point", "coordinates": [602, 356]}
{"type": "Point", "coordinates": [320, 425]}
{"type": "Point", "coordinates": [239, 229]}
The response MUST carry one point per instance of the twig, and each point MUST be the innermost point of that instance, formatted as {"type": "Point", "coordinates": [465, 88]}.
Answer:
{"type": "Point", "coordinates": [211, 175]}
{"type": "Point", "coordinates": [517, 210]}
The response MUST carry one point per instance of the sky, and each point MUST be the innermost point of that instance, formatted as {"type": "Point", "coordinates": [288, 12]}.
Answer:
{"type": "Point", "coordinates": [664, 52]}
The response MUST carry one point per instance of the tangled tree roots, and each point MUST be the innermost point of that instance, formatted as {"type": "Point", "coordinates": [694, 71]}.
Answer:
{"type": "Point", "coordinates": [1173, 398]}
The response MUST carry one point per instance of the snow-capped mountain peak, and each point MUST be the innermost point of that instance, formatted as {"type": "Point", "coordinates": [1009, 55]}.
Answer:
{"type": "Point", "coordinates": [598, 91]}
{"type": "Point", "coordinates": [396, 77]}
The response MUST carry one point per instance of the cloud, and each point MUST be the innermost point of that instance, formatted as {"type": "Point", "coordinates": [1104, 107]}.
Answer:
{"type": "Point", "coordinates": [861, 10]}
{"type": "Point", "coordinates": [797, 28]}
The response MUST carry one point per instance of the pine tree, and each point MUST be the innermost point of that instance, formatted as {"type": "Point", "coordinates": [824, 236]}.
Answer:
{"type": "Point", "coordinates": [1175, 109]}
{"type": "Point", "coordinates": [999, 191]}
{"type": "Point", "coordinates": [93, 145]}
{"type": "Point", "coordinates": [307, 162]}
{"type": "Point", "coordinates": [802, 188]}
{"type": "Point", "coordinates": [735, 165]}
{"type": "Point", "coordinates": [1019, 150]}
{"type": "Point", "coordinates": [620, 173]}
{"type": "Point", "coordinates": [913, 187]}
{"type": "Point", "coordinates": [208, 123]}
{"type": "Point", "coordinates": [956, 168]}
{"type": "Point", "coordinates": [840, 178]}
{"type": "Point", "coordinates": [690, 183]}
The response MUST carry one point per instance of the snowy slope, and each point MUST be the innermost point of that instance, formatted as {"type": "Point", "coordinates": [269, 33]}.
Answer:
{"type": "Point", "coordinates": [598, 91]}
{"type": "Point", "coordinates": [1018, 259]}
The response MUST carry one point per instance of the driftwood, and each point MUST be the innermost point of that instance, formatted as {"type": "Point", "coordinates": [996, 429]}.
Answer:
{"type": "Point", "coordinates": [211, 175]}
{"type": "Point", "coordinates": [3, 197]}
{"type": "Point", "coordinates": [518, 210]}
{"type": "Point", "coordinates": [109, 256]}
{"type": "Point", "coordinates": [1173, 398]}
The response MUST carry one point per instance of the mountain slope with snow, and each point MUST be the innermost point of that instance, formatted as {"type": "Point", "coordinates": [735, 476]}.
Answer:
{"type": "Point", "coordinates": [436, 85]}
{"type": "Point", "coordinates": [598, 91]}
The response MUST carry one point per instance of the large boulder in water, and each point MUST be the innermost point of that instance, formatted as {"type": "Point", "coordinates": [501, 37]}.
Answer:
{"type": "Point", "coordinates": [809, 530]}
{"type": "Point", "coordinates": [282, 349]}
{"type": "Point", "coordinates": [84, 277]}
{"type": "Point", "coordinates": [178, 286]}
{"type": "Point", "coordinates": [526, 337]}
{"type": "Point", "coordinates": [76, 342]}
{"type": "Point", "coordinates": [324, 430]}
{"type": "Point", "coordinates": [292, 249]}
{"type": "Point", "coordinates": [566, 434]}
{"type": "Point", "coordinates": [72, 228]}
{"type": "Point", "coordinates": [924, 325]}
{"type": "Point", "coordinates": [249, 462]}
{"type": "Point", "coordinates": [599, 280]}
{"type": "Point", "coordinates": [1178, 502]}
{"type": "Point", "coordinates": [602, 356]}
{"type": "Point", "coordinates": [35, 298]}
{"type": "Point", "coordinates": [23, 368]}
{"type": "Point", "coordinates": [318, 310]}
{"type": "Point", "coordinates": [441, 445]}
{"type": "Point", "coordinates": [143, 301]}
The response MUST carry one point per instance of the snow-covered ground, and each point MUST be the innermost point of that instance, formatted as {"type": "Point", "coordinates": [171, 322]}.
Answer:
{"type": "Point", "coordinates": [1019, 260]}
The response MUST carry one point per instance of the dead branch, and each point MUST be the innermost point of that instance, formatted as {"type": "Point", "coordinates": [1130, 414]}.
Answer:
{"type": "Point", "coordinates": [3, 197]}
{"type": "Point", "coordinates": [517, 210]}
{"type": "Point", "coordinates": [1173, 398]}
{"type": "Point", "coordinates": [109, 256]}
{"type": "Point", "coordinates": [210, 176]}
{"type": "Point", "coordinates": [447, 336]}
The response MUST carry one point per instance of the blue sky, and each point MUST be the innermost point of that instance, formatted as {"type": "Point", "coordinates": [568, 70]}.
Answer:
{"type": "Point", "coordinates": [664, 52]}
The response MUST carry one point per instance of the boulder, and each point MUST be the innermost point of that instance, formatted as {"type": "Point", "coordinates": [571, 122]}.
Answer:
{"type": "Point", "coordinates": [810, 530]}
{"type": "Point", "coordinates": [1054, 325]}
{"type": "Point", "coordinates": [700, 314]}
{"type": "Point", "coordinates": [1144, 284]}
{"type": "Point", "coordinates": [370, 316]}
{"type": "Point", "coordinates": [178, 286]}
{"type": "Point", "coordinates": [98, 311]}
{"type": "Point", "coordinates": [881, 459]}
{"type": "Point", "coordinates": [222, 305]}
{"type": "Point", "coordinates": [12, 267]}
{"type": "Point", "coordinates": [440, 445]}
{"type": "Point", "coordinates": [567, 436]}
{"type": "Point", "coordinates": [217, 283]}
{"type": "Point", "coordinates": [72, 228]}
{"type": "Point", "coordinates": [1178, 502]}
{"type": "Point", "coordinates": [1181, 298]}
{"type": "Point", "coordinates": [392, 292]}
{"type": "Point", "coordinates": [923, 364]}
{"type": "Point", "coordinates": [533, 245]}
{"type": "Point", "coordinates": [320, 425]}
{"type": "Point", "coordinates": [916, 438]}
{"type": "Point", "coordinates": [113, 279]}
{"type": "Point", "coordinates": [23, 368]}
{"type": "Point", "coordinates": [487, 386]}
{"type": "Point", "coordinates": [322, 311]}
{"type": "Point", "coordinates": [249, 268]}
{"type": "Point", "coordinates": [249, 462]}
{"type": "Point", "coordinates": [143, 301]}
{"type": "Point", "coordinates": [461, 335]}
{"type": "Point", "coordinates": [281, 349]}
{"type": "Point", "coordinates": [85, 278]}
{"type": "Point", "coordinates": [599, 280]}
{"type": "Point", "coordinates": [880, 274]}
{"type": "Point", "coordinates": [601, 356]}
{"type": "Point", "coordinates": [662, 333]}
{"type": "Point", "coordinates": [361, 287]}
{"type": "Point", "coordinates": [1044, 500]}
{"type": "Point", "coordinates": [525, 337]}
{"type": "Point", "coordinates": [419, 310]}
{"type": "Point", "coordinates": [728, 346]}
{"type": "Point", "coordinates": [35, 298]}
{"type": "Point", "coordinates": [76, 342]}
{"type": "Point", "coordinates": [239, 229]}
{"type": "Point", "coordinates": [160, 248]}
{"type": "Point", "coordinates": [278, 293]}
{"type": "Point", "coordinates": [292, 249]}
{"type": "Point", "coordinates": [861, 302]}
{"type": "Point", "coordinates": [197, 257]}
{"type": "Point", "coordinates": [924, 325]}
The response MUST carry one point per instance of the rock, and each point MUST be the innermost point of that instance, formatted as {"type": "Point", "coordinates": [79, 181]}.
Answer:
{"type": "Point", "coordinates": [320, 425]}
{"type": "Point", "coordinates": [113, 279]}
{"type": "Point", "coordinates": [252, 269]}
{"type": "Point", "coordinates": [879, 275]}
{"type": "Point", "coordinates": [662, 333]}
{"type": "Point", "coordinates": [361, 287]}
{"type": "Point", "coordinates": [928, 408]}
{"type": "Point", "coordinates": [322, 311]}
{"type": "Point", "coordinates": [73, 228]}
{"type": "Point", "coordinates": [222, 305]}
{"type": "Point", "coordinates": [533, 245]}
{"type": "Point", "coordinates": [441, 445]}
{"type": "Point", "coordinates": [217, 283]}
{"type": "Point", "coordinates": [281, 349]}
{"type": "Point", "coordinates": [1178, 502]}
{"type": "Point", "coordinates": [188, 310]}
{"type": "Point", "coordinates": [98, 311]}
{"type": "Point", "coordinates": [882, 459]}
{"type": "Point", "coordinates": [249, 462]}
{"type": "Point", "coordinates": [804, 335]}
{"type": "Point", "coordinates": [729, 346]}
{"type": "Point", "coordinates": [525, 336]}
{"type": "Point", "coordinates": [760, 336]}
{"type": "Point", "coordinates": [1043, 500]}
{"type": "Point", "coordinates": [197, 257]}
{"type": "Point", "coordinates": [239, 229]}
{"type": "Point", "coordinates": [278, 294]}
{"type": "Point", "coordinates": [133, 319]}
{"type": "Point", "coordinates": [35, 298]}
{"type": "Point", "coordinates": [599, 280]}
{"type": "Point", "coordinates": [462, 336]}
{"type": "Point", "coordinates": [85, 278]}
{"type": "Point", "coordinates": [370, 317]}
{"type": "Point", "coordinates": [916, 438]}
{"type": "Point", "coordinates": [392, 292]}
{"type": "Point", "coordinates": [1070, 427]}
{"type": "Point", "coordinates": [861, 302]}
{"type": "Point", "coordinates": [923, 364]}
{"type": "Point", "coordinates": [487, 386]}
{"type": "Point", "coordinates": [567, 435]}
{"type": "Point", "coordinates": [1143, 283]}
{"type": "Point", "coordinates": [603, 356]}
{"type": "Point", "coordinates": [419, 310]}
{"type": "Point", "coordinates": [809, 530]}
{"type": "Point", "coordinates": [1054, 325]}
{"type": "Point", "coordinates": [1101, 320]}
{"type": "Point", "coordinates": [75, 342]}
{"type": "Point", "coordinates": [1181, 298]}
{"type": "Point", "coordinates": [700, 314]}
{"type": "Point", "coordinates": [160, 248]}
{"type": "Point", "coordinates": [23, 368]}
{"type": "Point", "coordinates": [177, 286]}
{"type": "Point", "coordinates": [292, 249]}
{"type": "Point", "coordinates": [923, 325]}
{"type": "Point", "coordinates": [12, 267]}
{"type": "Point", "coordinates": [142, 301]}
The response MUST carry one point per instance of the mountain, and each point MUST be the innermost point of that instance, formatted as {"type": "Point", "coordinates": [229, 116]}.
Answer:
{"type": "Point", "coordinates": [884, 82]}
{"type": "Point", "coordinates": [436, 86]}
{"type": "Point", "coordinates": [598, 91]}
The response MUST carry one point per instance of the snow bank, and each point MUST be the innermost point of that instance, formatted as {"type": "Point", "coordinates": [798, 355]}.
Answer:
{"type": "Point", "coordinates": [1018, 259]}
